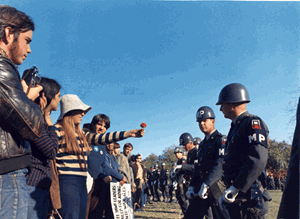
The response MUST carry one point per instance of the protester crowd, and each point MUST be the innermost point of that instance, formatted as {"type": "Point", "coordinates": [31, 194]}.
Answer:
{"type": "Point", "coordinates": [44, 166]}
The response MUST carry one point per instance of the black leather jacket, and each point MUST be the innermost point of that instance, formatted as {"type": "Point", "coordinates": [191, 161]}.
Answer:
{"type": "Point", "coordinates": [20, 120]}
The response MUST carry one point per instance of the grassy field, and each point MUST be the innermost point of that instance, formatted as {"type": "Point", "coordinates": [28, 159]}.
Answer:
{"type": "Point", "coordinates": [161, 210]}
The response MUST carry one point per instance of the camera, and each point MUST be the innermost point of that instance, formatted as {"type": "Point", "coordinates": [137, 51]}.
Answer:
{"type": "Point", "coordinates": [31, 76]}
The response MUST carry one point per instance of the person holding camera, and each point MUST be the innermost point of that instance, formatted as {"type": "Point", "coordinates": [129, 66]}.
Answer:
{"type": "Point", "coordinates": [21, 119]}
{"type": "Point", "coordinates": [44, 149]}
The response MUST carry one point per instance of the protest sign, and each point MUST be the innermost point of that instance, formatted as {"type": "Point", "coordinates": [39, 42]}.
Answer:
{"type": "Point", "coordinates": [121, 201]}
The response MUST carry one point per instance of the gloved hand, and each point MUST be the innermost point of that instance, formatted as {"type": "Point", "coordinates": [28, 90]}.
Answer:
{"type": "Point", "coordinates": [175, 170]}
{"type": "Point", "coordinates": [190, 192]}
{"type": "Point", "coordinates": [175, 185]}
{"type": "Point", "coordinates": [230, 194]}
{"type": "Point", "coordinates": [203, 191]}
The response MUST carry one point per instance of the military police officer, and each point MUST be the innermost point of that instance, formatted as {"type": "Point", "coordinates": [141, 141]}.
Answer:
{"type": "Point", "coordinates": [171, 187]}
{"type": "Point", "coordinates": [178, 179]}
{"type": "Point", "coordinates": [147, 189]}
{"type": "Point", "coordinates": [156, 183]}
{"type": "Point", "coordinates": [197, 141]}
{"type": "Point", "coordinates": [163, 178]}
{"type": "Point", "coordinates": [246, 156]}
{"type": "Point", "coordinates": [186, 170]}
{"type": "Point", "coordinates": [208, 169]}
{"type": "Point", "coordinates": [151, 182]}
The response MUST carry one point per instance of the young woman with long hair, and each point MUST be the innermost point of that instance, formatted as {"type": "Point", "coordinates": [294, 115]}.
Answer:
{"type": "Point", "coordinates": [71, 159]}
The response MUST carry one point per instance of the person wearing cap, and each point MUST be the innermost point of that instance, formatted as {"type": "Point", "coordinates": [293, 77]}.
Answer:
{"type": "Point", "coordinates": [171, 187]}
{"type": "Point", "coordinates": [151, 182]}
{"type": "Point", "coordinates": [147, 190]}
{"type": "Point", "coordinates": [245, 158]}
{"type": "Point", "coordinates": [197, 141]}
{"type": "Point", "coordinates": [185, 170]}
{"type": "Point", "coordinates": [71, 160]}
{"type": "Point", "coordinates": [201, 192]}
{"type": "Point", "coordinates": [178, 179]}
{"type": "Point", "coordinates": [163, 179]}
{"type": "Point", "coordinates": [156, 174]}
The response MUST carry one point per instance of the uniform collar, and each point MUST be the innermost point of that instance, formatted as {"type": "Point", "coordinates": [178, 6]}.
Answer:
{"type": "Point", "coordinates": [208, 136]}
{"type": "Point", "coordinates": [241, 115]}
{"type": "Point", "coordinates": [193, 149]}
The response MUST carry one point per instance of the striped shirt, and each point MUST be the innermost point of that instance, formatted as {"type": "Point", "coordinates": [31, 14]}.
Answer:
{"type": "Point", "coordinates": [68, 164]}
{"type": "Point", "coordinates": [43, 149]}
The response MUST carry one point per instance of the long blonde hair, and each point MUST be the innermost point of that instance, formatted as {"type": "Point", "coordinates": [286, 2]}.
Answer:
{"type": "Point", "coordinates": [69, 136]}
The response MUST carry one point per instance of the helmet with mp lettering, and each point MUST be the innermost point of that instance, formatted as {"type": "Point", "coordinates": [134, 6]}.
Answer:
{"type": "Point", "coordinates": [155, 165]}
{"type": "Point", "coordinates": [185, 138]}
{"type": "Point", "coordinates": [203, 113]}
{"type": "Point", "coordinates": [173, 164]}
{"type": "Point", "coordinates": [197, 141]}
{"type": "Point", "coordinates": [163, 164]}
{"type": "Point", "coordinates": [178, 150]}
{"type": "Point", "coordinates": [233, 93]}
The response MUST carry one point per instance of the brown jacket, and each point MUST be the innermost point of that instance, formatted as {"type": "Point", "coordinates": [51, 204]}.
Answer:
{"type": "Point", "coordinates": [135, 170]}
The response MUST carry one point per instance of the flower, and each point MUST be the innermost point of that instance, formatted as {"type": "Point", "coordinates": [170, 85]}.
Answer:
{"type": "Point", "coordinates": [143, 125]}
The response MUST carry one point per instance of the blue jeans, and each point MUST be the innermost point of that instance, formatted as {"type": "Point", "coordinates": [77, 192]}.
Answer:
{"type": "Point", "coordinates": [38, 203]}
{"type": "Point", "coordinates": [73, 195]}
{"type": "Point", "coordinates": [14, 195]}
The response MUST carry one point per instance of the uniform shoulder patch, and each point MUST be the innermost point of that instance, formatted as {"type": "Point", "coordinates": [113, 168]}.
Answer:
{"type": "Point", "coordinates": [224, 139]}
{"type": "Point", "coordinates": [256, 124]}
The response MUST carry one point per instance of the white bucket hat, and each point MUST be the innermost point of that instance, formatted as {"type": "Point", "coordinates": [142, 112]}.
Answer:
{"type": "Point", "coordinates": [71, 102]}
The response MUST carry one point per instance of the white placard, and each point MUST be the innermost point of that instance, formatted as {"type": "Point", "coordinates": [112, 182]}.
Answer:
{"type": "Point", "coordinates": [121, 201]}
{"type": "Point", "coordinates": [89, 182]}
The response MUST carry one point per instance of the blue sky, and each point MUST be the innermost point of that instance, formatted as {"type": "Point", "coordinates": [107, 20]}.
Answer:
{"type": "Point", "coordinates": [158, 62]}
